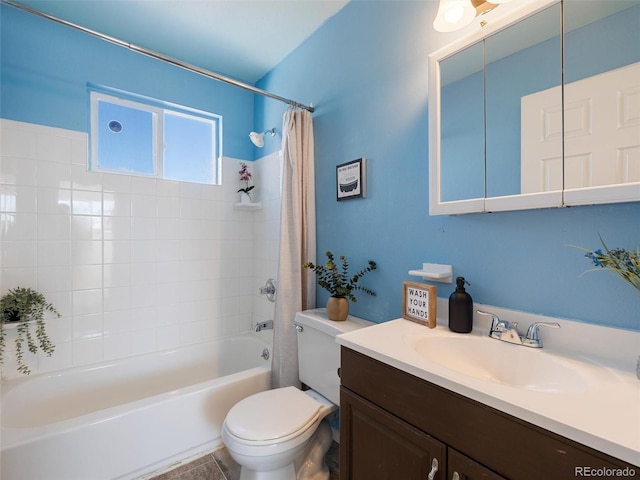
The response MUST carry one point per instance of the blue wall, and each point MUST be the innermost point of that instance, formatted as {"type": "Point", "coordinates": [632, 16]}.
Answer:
{"type": "Point", "coordinates": [45, 68]}
{"type": "Point", "coordinates": [366, 72]}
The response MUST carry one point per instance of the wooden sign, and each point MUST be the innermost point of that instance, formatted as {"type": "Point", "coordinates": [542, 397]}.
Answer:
{"type": "Point", "coordinates": [419, 303]}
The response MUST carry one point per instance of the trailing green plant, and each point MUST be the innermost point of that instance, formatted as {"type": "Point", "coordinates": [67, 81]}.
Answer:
{"type": "Point", "coordinates": [21, 306]}
{"type": "Point", "coordinates": [337, 281]}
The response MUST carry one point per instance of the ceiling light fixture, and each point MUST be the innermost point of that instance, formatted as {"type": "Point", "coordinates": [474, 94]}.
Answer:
{"type": "Point", "coordinates": [258, 138]}
{"type": "Point", "coordinates": [456, 14]}
{"type": "Point", "coordinates": [453, 15]}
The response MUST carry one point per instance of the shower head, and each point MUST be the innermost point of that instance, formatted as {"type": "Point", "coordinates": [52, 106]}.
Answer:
{"type": "Point", "coordinates": [258, 138]}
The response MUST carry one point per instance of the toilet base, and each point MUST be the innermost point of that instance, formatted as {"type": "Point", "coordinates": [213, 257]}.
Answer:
{"type": "Point", "coordinates": [285, 473]}
{"type": "Point", "coordinates": [308, 464]}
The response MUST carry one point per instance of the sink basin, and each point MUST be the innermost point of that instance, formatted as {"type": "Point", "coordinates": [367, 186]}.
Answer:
{"type": "Point", "coordinates": [500, 362]}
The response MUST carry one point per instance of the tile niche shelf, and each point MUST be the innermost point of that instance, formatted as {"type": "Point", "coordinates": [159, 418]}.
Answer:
{"type": "Point", "coordinates": [248, 206]}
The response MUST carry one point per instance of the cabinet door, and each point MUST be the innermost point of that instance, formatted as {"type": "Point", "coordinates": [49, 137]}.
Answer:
{"type": "Point", "coordinates": [376, 445]}
{"type": "Point", "coordinates": [467, 469]}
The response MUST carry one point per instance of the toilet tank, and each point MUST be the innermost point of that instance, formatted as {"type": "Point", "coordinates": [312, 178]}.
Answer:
{"type": "Point", "coordinates": [318, 352]}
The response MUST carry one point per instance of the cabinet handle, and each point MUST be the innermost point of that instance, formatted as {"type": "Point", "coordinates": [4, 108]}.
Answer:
{"type": "Point", "coordinates": [434, 469]}
{"type": "Point", "coordinates": [455, 476]}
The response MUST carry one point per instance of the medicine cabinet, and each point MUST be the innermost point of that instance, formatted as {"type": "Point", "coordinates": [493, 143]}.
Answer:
{"type": "Point", "coordinates": [538, 109]}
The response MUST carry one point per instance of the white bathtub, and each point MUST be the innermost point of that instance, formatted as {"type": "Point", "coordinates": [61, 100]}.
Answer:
{"type": "Point", "coordinates": [127, 418]}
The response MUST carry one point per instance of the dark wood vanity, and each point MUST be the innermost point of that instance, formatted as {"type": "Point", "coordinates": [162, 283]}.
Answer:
{"type": "Point", "coordinates": [393, 425]}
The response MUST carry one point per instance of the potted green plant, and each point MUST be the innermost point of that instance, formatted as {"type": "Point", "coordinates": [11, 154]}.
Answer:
{"type": "Point", "coordinates": [25, 306]}
{"type": "Point", "coordinates": [340, 285]}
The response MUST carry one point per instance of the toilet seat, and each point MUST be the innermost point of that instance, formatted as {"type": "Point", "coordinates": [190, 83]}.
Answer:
{"type": "Point", "coordinates": [272, 416]}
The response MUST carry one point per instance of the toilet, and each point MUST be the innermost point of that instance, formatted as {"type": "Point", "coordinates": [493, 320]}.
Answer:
{"type": "Point", "coordinates": [284, 433]}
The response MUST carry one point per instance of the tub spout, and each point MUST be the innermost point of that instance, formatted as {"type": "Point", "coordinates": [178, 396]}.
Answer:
{"type": "Point", "coordinates": [268, 325]}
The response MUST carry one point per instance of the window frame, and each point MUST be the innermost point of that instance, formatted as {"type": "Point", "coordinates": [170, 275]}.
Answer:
{"type": "Point", "coordinates": [158, 109]}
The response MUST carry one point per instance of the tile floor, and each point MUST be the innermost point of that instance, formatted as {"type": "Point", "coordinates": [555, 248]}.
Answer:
{"type": "Point", "coordinates": [220, 466]}
{"type": "Point", "coordinates": [214, 466]}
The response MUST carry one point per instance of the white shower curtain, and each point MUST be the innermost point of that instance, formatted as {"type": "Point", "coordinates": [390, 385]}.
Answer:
{"type": "Point", "coordinates": [296, 285]}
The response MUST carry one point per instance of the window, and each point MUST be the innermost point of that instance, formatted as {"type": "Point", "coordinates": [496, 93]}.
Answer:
{"type": "Point", "coordinates": [136, 135]}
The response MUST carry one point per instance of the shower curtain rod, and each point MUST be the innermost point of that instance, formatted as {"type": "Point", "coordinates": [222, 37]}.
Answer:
{"type": "Point", "coordinates": [159, 56]}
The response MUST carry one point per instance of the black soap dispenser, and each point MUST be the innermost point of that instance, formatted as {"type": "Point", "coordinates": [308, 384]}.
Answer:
{"type": "Point", "coordinates": [460, 308]}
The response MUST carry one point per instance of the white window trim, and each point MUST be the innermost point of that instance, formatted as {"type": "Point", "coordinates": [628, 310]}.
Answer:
{"type": "Point", "coordinates": [157, 108]}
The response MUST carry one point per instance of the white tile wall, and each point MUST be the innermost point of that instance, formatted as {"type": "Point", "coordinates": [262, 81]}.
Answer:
{"type": "Point", "coordinates": [133, 264]}
{"type": "Point", "coordinates": [267, 175]}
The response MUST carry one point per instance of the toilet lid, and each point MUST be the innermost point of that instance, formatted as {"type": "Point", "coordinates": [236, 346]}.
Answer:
{"type": "Point", "coordinates": [272, 414]}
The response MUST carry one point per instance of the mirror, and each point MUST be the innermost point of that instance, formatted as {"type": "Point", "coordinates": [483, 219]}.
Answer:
{"type": "Point", "coordinates": [500, 138]}
{"type": "Point", "coordinates": [520, 61]}
{"type": "Point", "coordinates": [602, 101]}
{"type": "Point", "coordinates": [462, 124]}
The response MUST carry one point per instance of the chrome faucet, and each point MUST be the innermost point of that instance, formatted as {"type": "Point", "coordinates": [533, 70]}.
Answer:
{"type": "Point", "coordinates": [507, 332]}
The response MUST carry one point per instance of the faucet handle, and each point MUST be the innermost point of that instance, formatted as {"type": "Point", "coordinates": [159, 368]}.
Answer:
{"type": "Point", "coordinates": [532, 338]}
{"type": "Point", "coordinates": [496, 324]}
{"type": "Point", "coordinates": [533, 332]}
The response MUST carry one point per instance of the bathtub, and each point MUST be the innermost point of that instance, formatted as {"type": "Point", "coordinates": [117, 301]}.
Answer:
{"type": "Point", "coordinates": [127, 418]}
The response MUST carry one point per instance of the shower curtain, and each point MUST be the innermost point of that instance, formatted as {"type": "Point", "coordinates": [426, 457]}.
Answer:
{"type": "Point", "coordinates": [296, 285]}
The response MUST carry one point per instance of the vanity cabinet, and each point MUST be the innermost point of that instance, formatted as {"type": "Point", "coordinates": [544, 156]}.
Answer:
{"type": "Point", "coordinates": [393, 425]}
{"type": "Point", "coordinates": [383, 445]}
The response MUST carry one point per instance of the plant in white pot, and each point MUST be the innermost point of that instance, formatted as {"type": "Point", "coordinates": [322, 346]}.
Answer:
{"type": "Point", "coordinates": [245, 177]}
{"type": "Point", "coordinates": [24, 307]}
{"type": "Point", "coordinates": [340, 285]}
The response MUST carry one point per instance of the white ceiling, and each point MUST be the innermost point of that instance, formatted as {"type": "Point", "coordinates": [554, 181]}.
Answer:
{"type": "Point", "coordinates": [243, 39]}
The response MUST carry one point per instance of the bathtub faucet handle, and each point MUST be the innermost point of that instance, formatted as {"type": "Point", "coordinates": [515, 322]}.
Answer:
{"type": "Point", "coordinates": [269, 289]}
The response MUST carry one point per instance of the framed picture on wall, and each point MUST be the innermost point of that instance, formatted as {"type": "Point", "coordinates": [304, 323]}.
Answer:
{"type": "Point", "coordinates": [351, 179]}
{"type": "Point", "coordinates": [419, 303]}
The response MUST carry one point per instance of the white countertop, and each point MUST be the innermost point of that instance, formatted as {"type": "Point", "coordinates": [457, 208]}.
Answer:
{"type": "Point", "coordinates": [605, 415]}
